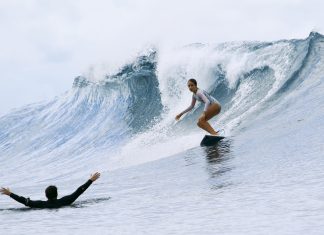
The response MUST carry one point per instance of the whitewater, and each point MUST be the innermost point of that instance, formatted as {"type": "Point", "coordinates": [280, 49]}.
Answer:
{"type": "Point", "coordinates": [266, 177]}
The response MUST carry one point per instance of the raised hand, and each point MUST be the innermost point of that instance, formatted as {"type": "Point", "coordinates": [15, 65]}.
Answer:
{"type": "Point", "coordinates": [5, 191]}
{"type": "Point", "coordinates": [94, 176]}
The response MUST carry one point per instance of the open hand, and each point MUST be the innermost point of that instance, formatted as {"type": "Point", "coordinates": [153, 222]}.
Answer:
{"type": "Point", "coordinates": [95, 176]}
{"type": "Point", "coordinates": [5, 191]}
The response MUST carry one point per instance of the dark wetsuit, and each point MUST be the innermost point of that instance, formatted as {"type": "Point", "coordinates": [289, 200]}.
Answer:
{"type": "Point", "coordinates": [56, 203]}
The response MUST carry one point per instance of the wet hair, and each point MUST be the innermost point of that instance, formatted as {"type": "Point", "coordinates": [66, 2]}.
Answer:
{"type": "Point", "coordinates": [193, 81]}
{"type": "Point", "coordinates": [51, 192]}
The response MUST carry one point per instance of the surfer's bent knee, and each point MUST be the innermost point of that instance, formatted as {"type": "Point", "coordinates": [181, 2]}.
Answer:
{"type": "Point", "coordinates": [200, 121]}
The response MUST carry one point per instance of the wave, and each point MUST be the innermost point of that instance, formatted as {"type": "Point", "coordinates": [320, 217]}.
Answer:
{"type": "Point", "coordinates": [135, 108]}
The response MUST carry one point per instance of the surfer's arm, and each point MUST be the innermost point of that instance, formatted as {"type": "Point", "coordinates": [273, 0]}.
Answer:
{"type": "Point", "coordinates": [192, 105]}
{"type": "Point", "coordinates": [204, 99]}
{"type": "Point", "coordinates": [20, 199]}
{"type": "Point", "coordinates": [72, 197]}
{"type": "Point", "coordinates": [28, 202]}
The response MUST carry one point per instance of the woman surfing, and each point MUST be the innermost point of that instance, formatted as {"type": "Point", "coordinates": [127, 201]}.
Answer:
{"type": "Point", "coordinates": [212, 106]}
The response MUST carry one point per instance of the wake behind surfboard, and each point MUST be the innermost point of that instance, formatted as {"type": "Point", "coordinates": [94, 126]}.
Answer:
{"type": "Point", "coordinates": [210, 140]}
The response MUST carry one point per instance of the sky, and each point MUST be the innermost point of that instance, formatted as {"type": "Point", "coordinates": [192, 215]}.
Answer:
{"type": "Point", "coordinates": [45, 44]}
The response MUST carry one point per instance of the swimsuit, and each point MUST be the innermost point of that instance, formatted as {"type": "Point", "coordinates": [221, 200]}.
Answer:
{"type": "Point", "coordinates": [204, 97]}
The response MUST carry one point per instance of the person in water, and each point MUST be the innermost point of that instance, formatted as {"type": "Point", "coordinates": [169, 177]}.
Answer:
{"type": "Point", "coordinates": [51, 194]}
{"type": "Point", "coordinates": [212, 106]}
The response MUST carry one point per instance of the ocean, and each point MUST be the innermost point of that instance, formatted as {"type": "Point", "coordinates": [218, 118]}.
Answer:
{"type": "Point", "coordinates": [265, 177]}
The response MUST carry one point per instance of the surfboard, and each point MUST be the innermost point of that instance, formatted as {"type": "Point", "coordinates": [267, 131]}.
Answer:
{"type": "Point", "coordinates": [210, 140]}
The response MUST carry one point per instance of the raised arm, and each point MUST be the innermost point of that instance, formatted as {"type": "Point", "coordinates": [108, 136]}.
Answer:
{"type": "Point", "coordinates": [22, 200]}
{"type": "Point", "coordinates": [192, 105]}
{"type": "Point", "coordinates": [67, 200]}
{"type": "Point", "coordinates": [6, 191]}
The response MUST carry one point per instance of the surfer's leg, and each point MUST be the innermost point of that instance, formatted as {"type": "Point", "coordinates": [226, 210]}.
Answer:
{"type": "Point", "coordinates": [203, 124]}
{"type": "Point", "coordinates": [212, 111]}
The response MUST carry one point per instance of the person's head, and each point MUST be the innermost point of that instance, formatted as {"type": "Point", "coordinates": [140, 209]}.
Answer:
{"type": "Point", "coordinates": [51, 192]}
{"type": "Point", "coordinates": [192, 85]}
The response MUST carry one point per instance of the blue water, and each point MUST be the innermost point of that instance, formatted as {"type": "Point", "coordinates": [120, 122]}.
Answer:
{"type": "Point", "coordinates": [266, 177]}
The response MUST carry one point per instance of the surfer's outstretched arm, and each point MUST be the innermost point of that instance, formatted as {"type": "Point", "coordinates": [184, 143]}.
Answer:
{"type": "Point", "coordinates": [67, 200]}
{"type": "Point", "coordinates": [193, 102]}
{"type": "Point", "coordinates": [22, 200]}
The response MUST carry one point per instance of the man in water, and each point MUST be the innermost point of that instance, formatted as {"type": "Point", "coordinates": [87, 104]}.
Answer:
{"type": "Point", "coordinates": [51, 194]}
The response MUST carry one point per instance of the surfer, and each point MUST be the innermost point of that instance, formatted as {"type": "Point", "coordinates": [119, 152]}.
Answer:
{"type": "Point", "coordinates": [51, 194]}
{"type": "Point", "coordinates": [212, 106]}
